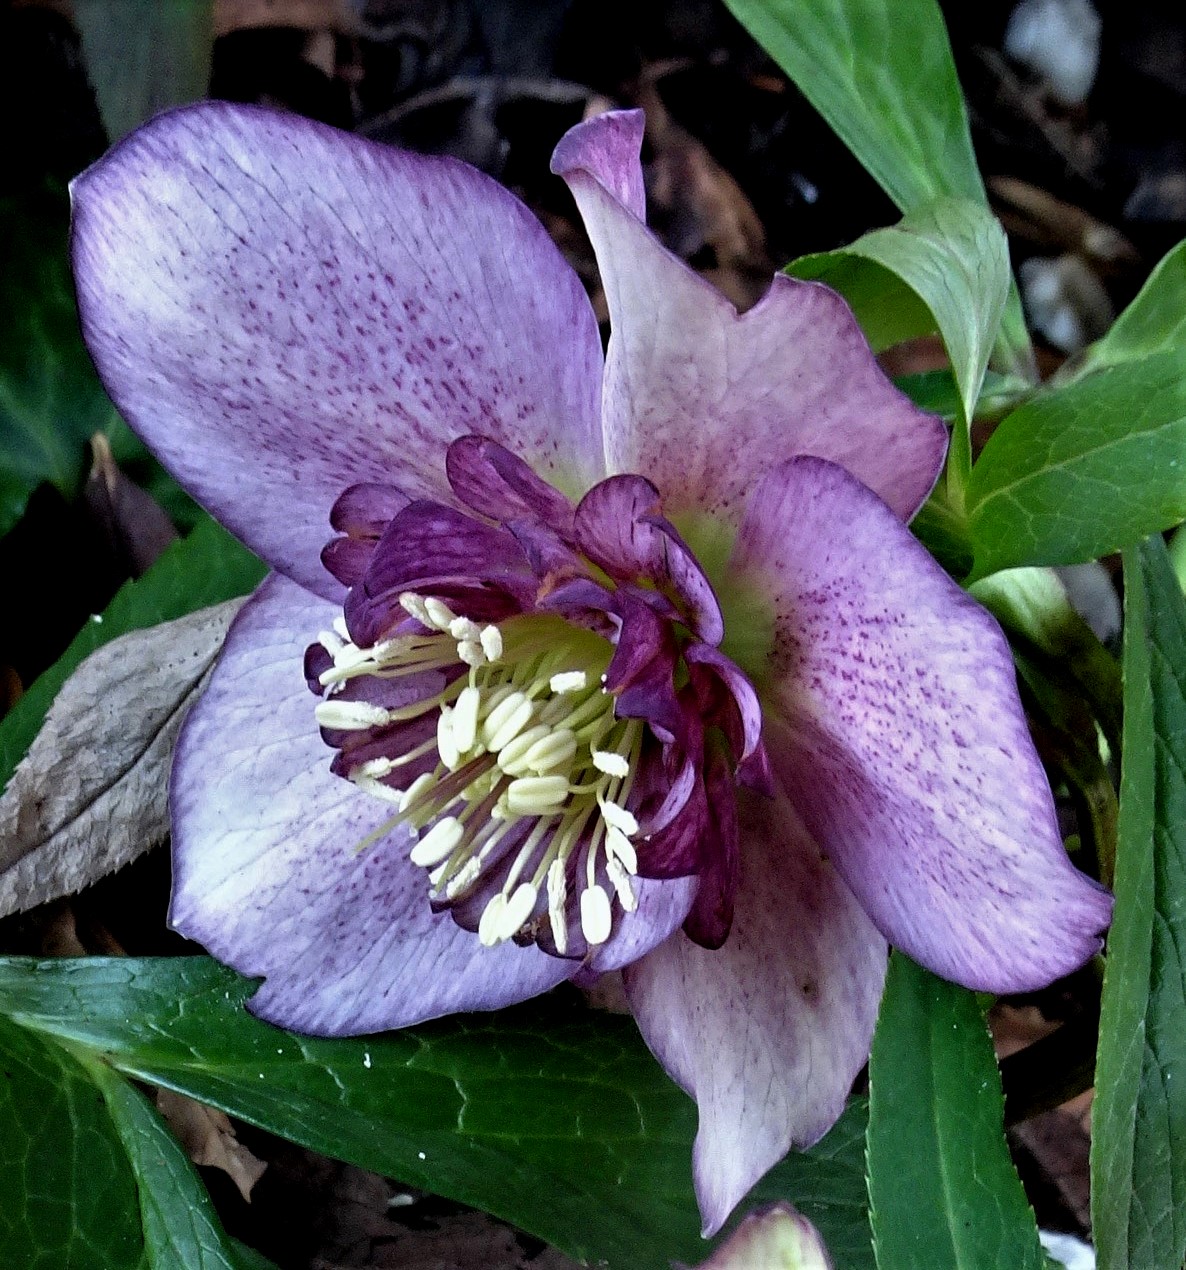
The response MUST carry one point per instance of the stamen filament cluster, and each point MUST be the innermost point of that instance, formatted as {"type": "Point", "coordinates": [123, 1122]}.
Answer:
{"type": "Point", "coordinates": [526, 740]}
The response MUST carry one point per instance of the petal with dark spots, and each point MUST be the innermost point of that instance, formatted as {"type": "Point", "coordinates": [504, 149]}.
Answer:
{"type": "Point", "coordinates": [895, 725]}
{"type": "Point", "coordinates": [281, 310]}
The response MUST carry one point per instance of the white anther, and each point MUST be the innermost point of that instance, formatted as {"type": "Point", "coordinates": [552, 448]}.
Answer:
{"type": "Point", "coordinates": [568, 681]}
{"type": "Point", "coordinates": [536, 795]}
{"type": "Point", "coordinates": [491, 641]}
{"type": "Point", "coordinates": [438, 843]}
{"type": "Point", "coordinates": [350, 655]}
{"type": "Point", "coordinates": [557, 749]}
{"type": "Point", "coordinates": [463, 879]}
{"type": "Point", "coordinates": [447, 747]}
{"type": "Point", "coordinates": [471, 652]}
{"type": "Point", "coordinates": [330, 642]}
{"type": "Point", "coordinates": [511, 754]}
{"type": "Point", "coordinates": [596, 919]}
{"type": "Point", "coordinates": [373, 767]}
{"type": "Point", "coordinates": [378, 789]}
{"type": "Point", "coordinates": [620, 847]}
{"type": "Point", "coordinates": [465, 719]}
{"type": "Point", "coordinates": [463, 628]}
{"type": "Point", "coordinates": [621, 880]}
{"type": "Point", "coordinates": [491, 920]}
{"type": "Point", "coordinates": [439, 613]}
{"type": "Point", "coordinates": [558, 904]}
{"type": "Point", "coordinates": [618, 817]}
{"type": "Point", "coordinates": [611, 763]}
{"type": "Point", "coordinates": [349, 716]}
{"type": "Point", "coordinates": [341, 628]}
{"type": "Point", "coordinates": [517, 910]}
{"type": "Point", "coordinates": [413, 605]}
{"type": "Point", "coordinates": [506, 721]}
{"type": "Point", "coordinates": [422, 782]}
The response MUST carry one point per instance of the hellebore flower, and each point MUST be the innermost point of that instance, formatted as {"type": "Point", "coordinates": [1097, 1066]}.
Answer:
{"type": "Point", "coordinates": [627, 663]}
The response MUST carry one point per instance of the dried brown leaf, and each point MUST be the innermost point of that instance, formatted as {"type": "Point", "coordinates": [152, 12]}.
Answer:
{"type": "Point", "coordinates": [209, 1139]}
{"type": "Point", "coordinates": [91, 794]}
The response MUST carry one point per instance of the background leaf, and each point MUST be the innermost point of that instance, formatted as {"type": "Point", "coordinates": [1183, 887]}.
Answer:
{"type": "Point", "coordinates": [1155, 322]}
{"type": "Point", "coordinates": [180, 1227]}
{"type": "Point", "coordinates": [144, 58]}
{"type": "Point", "coordinates": [942, 1188]}
{"type": "Point", "coordinates": [948, 257]}
{"type": "Point", "coordinates": [51, 401]}
{"type": "Point", "coordinates": [205, 568]}
{"type": "Point", "coordinates": [883, 77]}
{"type": "Point", "coordinates": [1138, 1148]}
{"type": "Point", "coordinates": [69, 1197]}
{"type": "Point", "coordinates": [549, 1115]}
{"type": "Point", "coordinates": [1084, 469]}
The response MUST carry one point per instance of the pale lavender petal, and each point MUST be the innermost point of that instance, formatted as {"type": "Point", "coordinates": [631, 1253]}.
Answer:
{"type": "Point", "coordinates": [768, 1032]}
{"type": "Point", "coordinates": [702, 400]}
{"type": "Point", "coordinates": [896, 727]}
{"type": "Point", "coordinates": [266, 871]}
{"type": "Point", "coordinates": [282, 310]}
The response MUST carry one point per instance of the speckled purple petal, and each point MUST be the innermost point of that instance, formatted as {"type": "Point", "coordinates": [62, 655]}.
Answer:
{"type": "Point", "coordinates": [896, 727]}
{"type": "Point", "coordinates": [703, 401]}
{"type": "Point", "coordinates": [620, 526]}
{"type": "Point", "coordinates": [282, 310]}
{"type": "Point", "coordinates": [266, 873]}
{"type": "Point", "coordinates": [768, 1032]}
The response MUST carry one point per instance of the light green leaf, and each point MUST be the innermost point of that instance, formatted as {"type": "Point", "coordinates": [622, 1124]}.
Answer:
{"type": "Point", "coordinates": [944, 267]}
{"type": "Point", "coordinates": [181, 1229]}
{"type": "Point", "coordinates": [551, 1116]}
{"type": "Point", "coordinates": [69, 1196]}
{"type": "Point", "coordinates": [205, 568]}
{"type": "Point", "coordinates": [881, 73]}
{"type": "Point", "coordinates": [1138, 1148]}
{"type": "Point", "coordinates": [144, 58]}
{"type": "Point", "coordinates": [1084, 469]}
{"type": "Point", "coordinates": [1155, 322]}
{"type": "Point", "coordinates": [942, 1188]}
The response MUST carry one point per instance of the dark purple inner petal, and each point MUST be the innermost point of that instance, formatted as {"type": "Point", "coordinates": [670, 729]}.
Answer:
{"type": "Point", "coordinates": [364, 510]}
{"type": "Point", "coordinates": [491, 480]}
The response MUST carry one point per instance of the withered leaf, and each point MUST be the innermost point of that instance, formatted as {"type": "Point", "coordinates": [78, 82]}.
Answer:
{"type": "Point", "coordinates": [209, 1139]}
{"type": "Point", "coordinates": [91, 793]}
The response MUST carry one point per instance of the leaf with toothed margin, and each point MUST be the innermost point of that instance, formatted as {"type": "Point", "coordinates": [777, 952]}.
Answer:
{"type": "Point", "coordinates": [549, 1115]}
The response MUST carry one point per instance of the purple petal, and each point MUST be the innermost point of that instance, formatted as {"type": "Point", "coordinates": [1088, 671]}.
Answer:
{"type": "Point", "coordinates": [641, 673]}
{"type": "Point", "coordinates": [903, 742]}
{"type": "Point", "coordinates": [620, 526]}
{"type": "Point", "coordinates": [490, 479]}
{"type": "Point", "coordinates": [266, 871]}
{"type": "Point", "coordinates": [281, 310]}
{"type": "Point", "coordinates": [740, 692]}
{"type": "Point", "coordinates": [712, 913]}
{"type": "Point", "coordinates": [703, 401]}
{"type": "Point", "coordinates": [662, 907]}
{"type": "Point", "coordinates": [366, 509]}
{"type": "Point", "coordinates": [768, 1032]}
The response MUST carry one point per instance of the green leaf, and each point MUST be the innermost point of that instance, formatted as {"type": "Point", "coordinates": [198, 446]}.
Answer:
{"type": "Point", "coordinates": [181, 1229]}
{"type": "Point", "coordinates": [1084, 469]}
{"type": "Point", "coordinates": [206, 567]}
{"type": "Point", "coordinates": [944, 266]}
{"type": "Point", "coordinates": [942, 1188]}
{"type": "Point", "coordinates": [1155, 322]}
{"type": "Point", "coordinates": [883, 77]}
{"type": "Point", "coordinates": [1138, 1148]}
{"type": "Point", "coordinates": [937, 391]}
{"type": "Point", "coordinates": [553, 1117]}
{"type": "Point", "coordinates": [51, 401]}
{"type": "Point", "coordinates": [144, 58]}
{"type": "Point", "coordinates": [69, 1197]}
